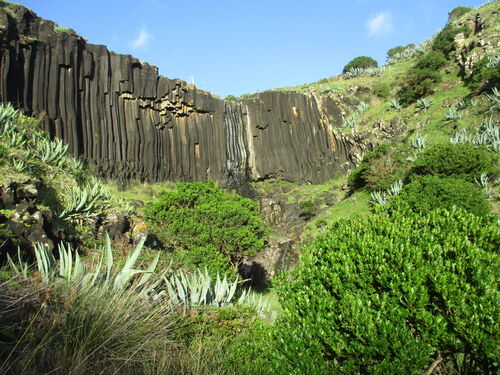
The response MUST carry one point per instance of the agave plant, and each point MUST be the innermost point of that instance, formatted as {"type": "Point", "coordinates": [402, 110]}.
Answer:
{"type": "Point", "coordinates": [487, 134]}
{"type": "Point", "coordinates": [371, 72]}
{"type": "Point", "coordinates": [452, 114]}
{"type": "Point", "coordinates": [419, 142]}
{"type": "Point", "coordinates": [199, 289]}
{"type": "Point", "coordinates": [411, 52]}
{"type": "Point", "coordinates": [52, 151]}
{"type": "Point", "coordinates": [83, 201]}
{"type": "Point", "coordinates": [8, 114]}
{"type": "Point", "coordinates": [19, 268]}
{"type": "Point", "coordinates": [362, 107]}
{"type": "Point", "coordinates": [394, 104]}
{"type": "Point", "coordinates": [19, 165]}
{"type": "Point", "coordinates": [395, 189]}
{"type": "Point", "coordinates": [493, 61]}
{"type": "Point", "coordinates": [424, 103]}
{"type": "Point", "coordinates": [379, 197]}
{"type": "Point", "coordinates": [16, 139]}
{"type": "Point", "coordinates": [462, 136]}
{"type": "Point", "coordinates": [70, 268]}
{"type": "Point", "coordinates": [188, 291]}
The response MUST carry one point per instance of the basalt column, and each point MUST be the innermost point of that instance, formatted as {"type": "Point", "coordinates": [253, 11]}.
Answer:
{"type": "Point", "coordinates": [131, 123]}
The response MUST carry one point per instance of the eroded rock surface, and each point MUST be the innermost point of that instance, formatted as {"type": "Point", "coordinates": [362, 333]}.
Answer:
{"type": "Point", "coordinates": [118, 113]}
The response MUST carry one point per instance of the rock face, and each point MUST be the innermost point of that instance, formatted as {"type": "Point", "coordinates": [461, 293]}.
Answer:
{"type": "Point", "coordinates": [119, 114]}
{"type": "Point", "coordinates": [21, 219]}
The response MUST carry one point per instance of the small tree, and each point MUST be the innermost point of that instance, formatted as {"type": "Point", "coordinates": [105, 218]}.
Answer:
{"type": "Point", "coordinates": [395, 50]}
{"type": "Point", "coordinates": [202, 219]}
{"type": "Point", "coordinates": [360, 62]}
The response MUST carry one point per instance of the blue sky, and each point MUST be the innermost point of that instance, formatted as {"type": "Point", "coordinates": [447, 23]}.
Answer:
{"type": "Point", "coordinates": [236, 47]}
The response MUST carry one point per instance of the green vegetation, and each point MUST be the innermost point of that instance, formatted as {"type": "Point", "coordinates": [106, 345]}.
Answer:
{"type": "Point", "coordinates": [426, 193]}
{"type": "Point", "coordinates": [62, 29]}
{"type": "Point", "coordinates": [422, 77]}
{"type": "Point", "coordinates": [392, 294]}
{"type": "Point", "coordinates": [485, 75]}
{"type": "Point", "coordinates": [360, 62]}
{"type": "Point", "coordinates": [399, 262]}
{"type": "Point", "coordinates": [463, 161]}
{"type": "Point", "coordinates": [382, 90]}
{"type": "Point", "coordinates": [202, 218]}
{"type": "Point", "coordinates": [457, 13]}
{"type": "Point", "coordinates": [445, 39]}
{"type": "Point", "coordinates": [380, 168]}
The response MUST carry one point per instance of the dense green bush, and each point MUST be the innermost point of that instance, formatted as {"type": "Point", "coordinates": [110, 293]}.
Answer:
{"type": "Point", "coordinates": [360, 62]}
{"type": "Point", "coordinates": [484, 77]}
{"type": "Point", "coordinates": [201, 257]}
{"type": "Point", "coordinates": [201, 217]}
{"type": "Point", "coordinates": [457, 13]}
{"type": "Point", "coordinates": [395, 50]}
{"type": "Point", "coordinates": [382, 90]}
{"type": "Point", "coordinates": [433, 60]}
{"type": "Point", "coordinates": [380, 168]}
{"type": "Point", "coordinates": [390, 294]}
{"type": "Point", "coordinates": [463, 161]}
{"type": "Point", "coordinates": [307, 209]}
{"type": "Point", "coordinates": [426, 193]}
{"type": "Point", "coordinates": [445, 39]}
{"type": "Point", "coordinates": [422, 77]}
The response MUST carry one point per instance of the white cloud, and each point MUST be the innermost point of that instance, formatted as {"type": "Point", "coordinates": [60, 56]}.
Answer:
{"type": "Point", "coordinates": [380, 24]}
{"type": "Point", "coordinates": [142, 39]}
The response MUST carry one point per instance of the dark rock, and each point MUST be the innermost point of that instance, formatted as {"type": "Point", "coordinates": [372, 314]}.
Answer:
{"type": "Point", "coordinates": [129, 122]}
{"type": "Point", "coordinates": [116, 225]}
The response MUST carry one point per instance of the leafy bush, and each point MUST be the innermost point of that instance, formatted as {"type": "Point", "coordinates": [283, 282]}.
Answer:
{"type": "Point", "coordinates": [307, 209]}
{"type": "Point", "coordinates": [382, 90]}
{"type": "Point", "coordinates": [426, 193]}
{"type": "Point", "coordinates": [445, 39]}
{"type": "Point", "coordinates": [206, 257]}
{"type": "Point", "coordinates": [380, 168]}
{"type": "Point", "coordinates": [202, 216]}
{"type": "Point", "coordinates": [457, 13]}
{"type": "Point", "coordinates": [485, 76]}
{"type": "Point", "coordinates": [360, 62]}
{"type": "Point", "coordinates": [422, 77]}
{"type": "Point", "coordinates": [463, 161]}
{"type": "Point", "coordinates": [434, 60]}
{"type": "Point", "coordinates": [393, 51]}
{"type": "Point", "coordinates": [390, 294]}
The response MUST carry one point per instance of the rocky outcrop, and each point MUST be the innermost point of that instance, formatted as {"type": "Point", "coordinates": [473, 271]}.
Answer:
{"type": "Point", "coordinates": [22, 223]}
{"type": "Point", "coordinates": [118, 113]}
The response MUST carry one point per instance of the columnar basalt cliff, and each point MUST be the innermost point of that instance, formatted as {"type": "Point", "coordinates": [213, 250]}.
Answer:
{"type": "Point", "coordinates": [119, 114]}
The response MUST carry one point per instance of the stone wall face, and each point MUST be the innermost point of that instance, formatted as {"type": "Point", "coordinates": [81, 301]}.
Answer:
{"type": "Point", "coordinates": [130, 122]}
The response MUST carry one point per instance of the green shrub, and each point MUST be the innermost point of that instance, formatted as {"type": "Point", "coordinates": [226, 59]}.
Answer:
{"type": "Point", "coordinates": [433, 60]}
{"type": "Point", "coordinates": [422, 77]}
{"type": "Point", "coordinates": [445, 39]}
{"type": "Point", "coordinates": [457, 13]}
{"type": "Point", "coordinates": [382, 90]}
{"type": "Point", "coordinates": [463, 161]}
{"type": "Point", "coordinates": [200, 257]}
{"type": "Point", "coordinates": [426, 193]}
{"type": "Point", "coordinates": [360, 62]}
{"type": "Point", "coordinates": [484, 77]}
{"type": "Point", "coordinates": [307, 209]}
{"type": "Point", "coordinates": [200, 215]}
{"type": "Point", "coordinates": [380, 168]}
{"type": "Point", "coordinates": [395, 50]}
{"type": "Point", "coordinates": [391, 294]}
